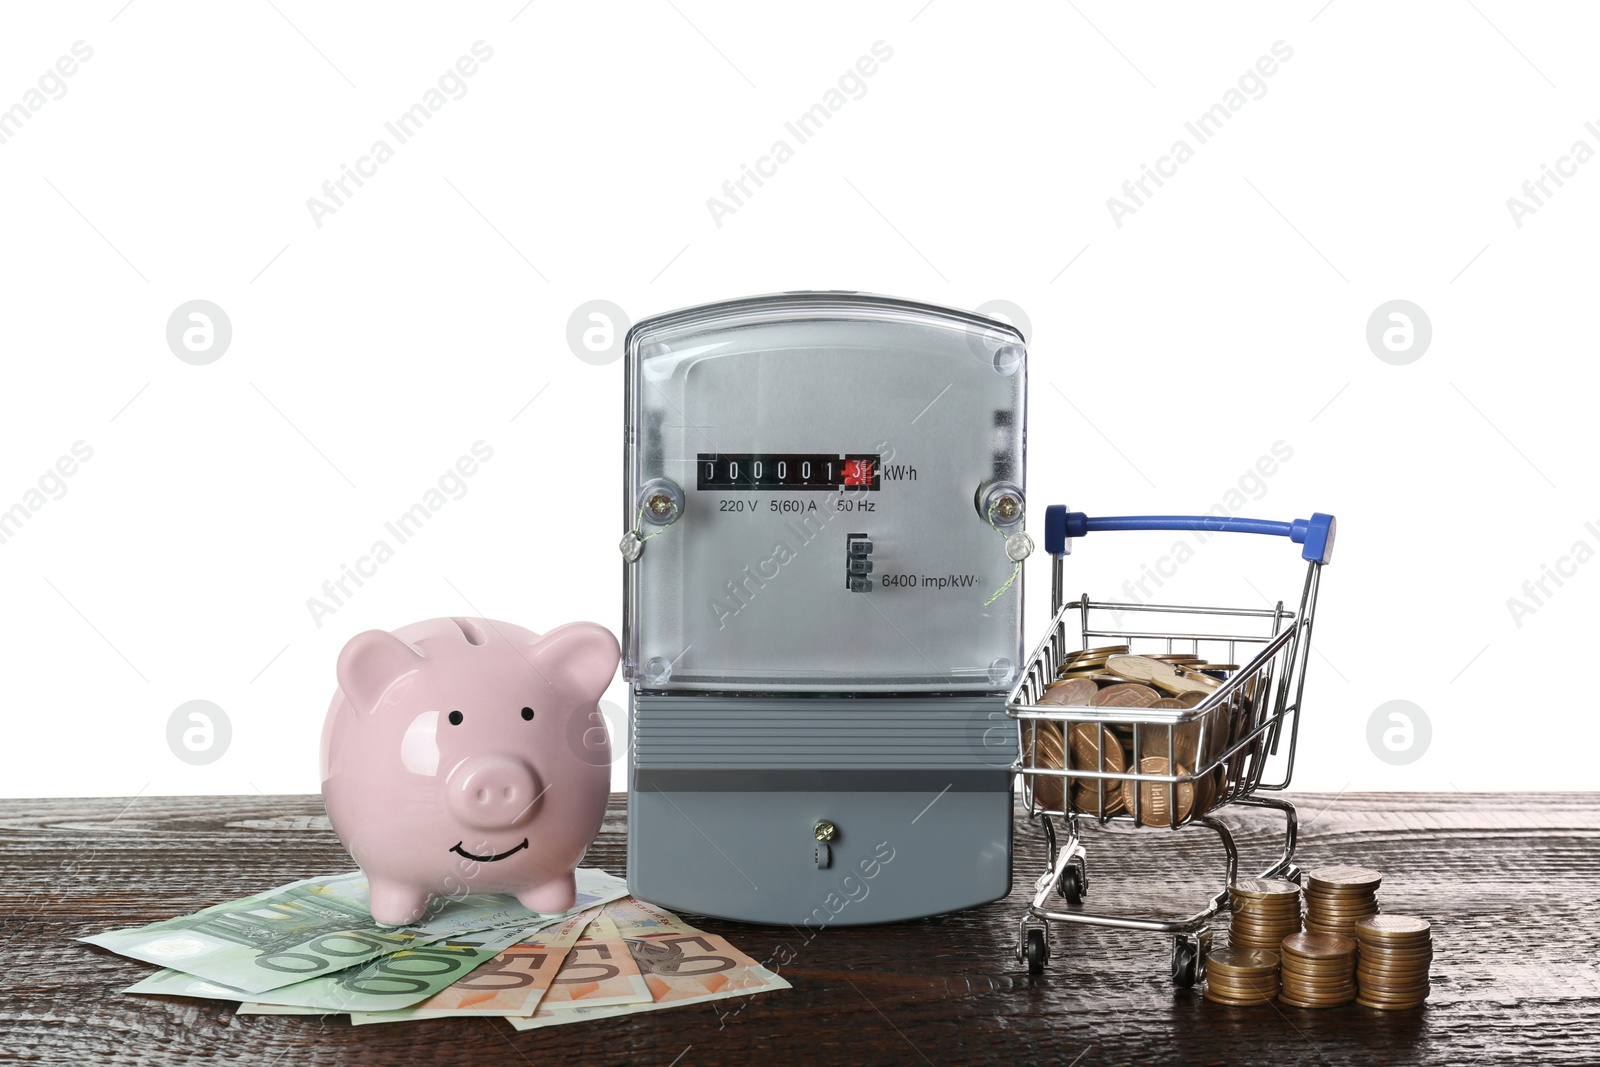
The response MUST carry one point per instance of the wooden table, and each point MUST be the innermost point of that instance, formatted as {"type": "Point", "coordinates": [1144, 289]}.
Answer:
{"type": "Point", "coordinates": [1508, 880]}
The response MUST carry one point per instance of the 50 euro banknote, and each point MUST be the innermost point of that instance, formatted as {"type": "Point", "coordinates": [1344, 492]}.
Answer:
{"type": "Point", "coordinates": [680, 966]}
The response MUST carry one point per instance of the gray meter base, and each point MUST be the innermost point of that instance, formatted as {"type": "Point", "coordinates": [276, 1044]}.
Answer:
{"type": "Point", "coordinates": [725, 805]}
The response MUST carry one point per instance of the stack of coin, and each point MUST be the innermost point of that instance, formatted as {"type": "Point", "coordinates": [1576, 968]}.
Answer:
{"type": "Point", "coordinates": [1265, 911]}
{"type": "Point", "coordinates": [1317, 970]}
{"type": "Point", "coordinates": [1393, 952]}
{"type": "Point", "coordinates": [1337, 896]}
{"type": "Point", "coordinates": [1241, 976]}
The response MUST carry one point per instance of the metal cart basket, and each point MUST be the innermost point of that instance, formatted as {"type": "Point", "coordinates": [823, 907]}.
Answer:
{"type": "Point", "coordinates": [1168, 766]}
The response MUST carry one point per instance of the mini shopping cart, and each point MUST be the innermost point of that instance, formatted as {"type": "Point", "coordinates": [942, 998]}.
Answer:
{"type": "Point", "coordinates": [1179, 765]}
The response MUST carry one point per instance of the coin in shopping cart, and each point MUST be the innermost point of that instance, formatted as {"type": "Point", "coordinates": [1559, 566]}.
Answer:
{"type": "Point", "coordinates": [1090, 742]}
{"type": "Point", "coordinates": [1160, 740]}
{"type": "Point", "coordinates": [1178, 657]}
{"type": "Point", "coordinates": [1073, 691]}
{"type": "Point", "coordinates": [1125, 695]}
{"type": "Point", "coordinates": [1048, 753]}
{"type": "Point", "coordinates": [1153, 807]}
{"type": "Point", "coordinates": [1087, 800]}
{"type": "Point", "coordinates": [1343, 876]}
{"type": "Point", "coordinates": [1171, 677]}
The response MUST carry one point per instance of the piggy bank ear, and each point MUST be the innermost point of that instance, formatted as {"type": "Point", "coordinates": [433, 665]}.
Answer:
{"type": "Point", "coordinates": [579, 658]}
{"type": "Point", "coordinates": [371, 661]}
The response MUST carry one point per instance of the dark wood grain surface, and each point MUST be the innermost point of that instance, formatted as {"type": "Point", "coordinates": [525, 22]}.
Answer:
{"type": "Point", "coordinates": [1508, 880]}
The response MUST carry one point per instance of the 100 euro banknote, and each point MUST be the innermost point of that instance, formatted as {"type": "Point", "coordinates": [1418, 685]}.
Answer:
{"type": "Point", "coordinates": [320, 925]}
{"type": "Point", "coordinates": [393, 981]}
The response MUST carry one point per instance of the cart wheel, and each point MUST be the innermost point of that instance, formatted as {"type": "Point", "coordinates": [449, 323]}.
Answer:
{"type": "Point", "coordinates": [1185, 962]}
{"type": "Point", "coordinates": [1292, 874]}
{"type": "Point", "coordinates": [1037, 951]}
{"type": "Point", "coordinates": [1074, 883]}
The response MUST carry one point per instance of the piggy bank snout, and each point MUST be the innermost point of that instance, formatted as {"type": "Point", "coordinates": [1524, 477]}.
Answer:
{"type": "Point", "coordinates": [493, 792]}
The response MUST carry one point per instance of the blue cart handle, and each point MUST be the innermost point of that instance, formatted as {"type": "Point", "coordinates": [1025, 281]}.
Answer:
{"type": "Point", "coordinates": [1315, 533]}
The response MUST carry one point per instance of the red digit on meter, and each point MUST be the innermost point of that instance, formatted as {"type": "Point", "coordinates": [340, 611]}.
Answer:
{"type": "Point", "coordinates": [858, 472]}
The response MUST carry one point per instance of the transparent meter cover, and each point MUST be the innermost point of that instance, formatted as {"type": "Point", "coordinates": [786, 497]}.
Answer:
{"type": "Point", "coordinates": [824, 485]}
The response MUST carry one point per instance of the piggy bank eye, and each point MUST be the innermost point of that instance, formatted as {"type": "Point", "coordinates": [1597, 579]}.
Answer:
{"type": "Point", "coordinates": [455, 718]}
{"type": "Point", "coordinates": [527, 714]}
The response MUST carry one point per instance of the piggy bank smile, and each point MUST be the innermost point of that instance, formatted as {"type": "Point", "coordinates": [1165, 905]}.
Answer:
{"type": "Point", "coordinates": [458, 850]}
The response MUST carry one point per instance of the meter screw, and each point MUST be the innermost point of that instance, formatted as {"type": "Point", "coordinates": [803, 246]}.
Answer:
{"type": "Point", "coordinates": [1006, 508]}
{"type": "Point", "coordinates": [660, 505]}
{"type": "Point", "coordinates": [823, 854]}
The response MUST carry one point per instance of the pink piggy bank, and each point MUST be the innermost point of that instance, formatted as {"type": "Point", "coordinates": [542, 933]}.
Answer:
{"type": "Point", "coordinates": [465, 755]}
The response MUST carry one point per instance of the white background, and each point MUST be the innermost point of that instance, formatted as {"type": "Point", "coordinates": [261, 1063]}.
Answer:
{"type": "Point", "coordinates": [430, 312]}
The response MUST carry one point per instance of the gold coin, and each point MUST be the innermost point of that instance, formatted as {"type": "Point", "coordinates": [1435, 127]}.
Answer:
{"type": "Point", "coordinates": [1089, 743]}
{"type": "Point", "coordinates": [1295, 1002]}
{"type": "Point", "coordinates": [1359, 909]}
{"type": "Point", "coordinates": [1395, 994]}
{"type": "Point", "coordinates": [1343, 876]}
{"type": "Point", "coordinates": [1244, 993]}
{"type": "Point", "coordinates": [1235, 961]}
{"type": "Point", "coordinates": [1153, 808]}
{"type": "Point", "coordinates": [1392, 944]}
{"type": "Point", "coordinates": [1125, 695]}
{"type": "Point", "coordinates": [1395, 926]}
{"type": "Point", "coordinates": [1318, 988]}
{"type": "Point", "coordinates": [1397, 1000]}
{"type": "Point", "coordinates": [1170, 677]}
{"type": "Point", "coordinates": [1319, 946]}
{"type": "Point", "coordinates": [1412, 974]}
{"type": "Point", "coordinates": [1372, 986]}
{"type": "Point", "coordinates": [1398, 996]}
{"type": "Point", "coordinates": [1048, 790]}
{"type": "Point", "coordinates": [1389, 949]}
{"type": "Point", "coordinates": [1236, 1002]}
{"type": "Point", "coordinates": [1336, 899]}
{"type": "Point", "coordinates": [1252, 912]}
{"type": "Point", "coordinates": [1386, 959]}
{"type": "Point", "coordinates": [1385, 1006]}
{"type": "Point", "coordinates": [1290, 976]}
{"type": "Point", "coordinates": [1228, 995]}
{"type": "Point", "coordinates": [1073, 691]}
{"type": "Point", "coordinates": [1266, 908]}
{"type": "Point", "coordinates": [1156, 740]}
